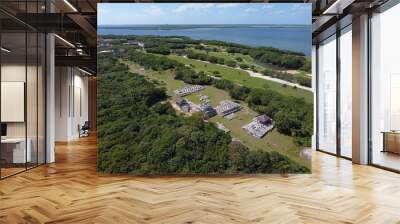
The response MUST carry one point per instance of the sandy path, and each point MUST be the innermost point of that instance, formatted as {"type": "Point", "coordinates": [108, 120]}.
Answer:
{"type": "Point", "coordinates": [261, 76]}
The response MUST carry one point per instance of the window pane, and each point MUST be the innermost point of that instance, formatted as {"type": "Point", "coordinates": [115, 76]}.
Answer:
{"type": "Point", "coordinates": [385, 89]}
{"type": "Point", "coordinates": [346, 92]}
{"type": "Point", "coordinates": [327, 95]}
{"type": "Point", "coordinates": [31, 97]}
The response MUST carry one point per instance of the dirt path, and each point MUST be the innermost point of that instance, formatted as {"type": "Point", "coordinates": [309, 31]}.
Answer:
{"type": "Point", "coordinates": [261, 76]}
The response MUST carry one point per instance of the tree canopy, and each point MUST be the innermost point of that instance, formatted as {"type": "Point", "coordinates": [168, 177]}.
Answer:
{"type": "Point", "coordinates": [140, 133]}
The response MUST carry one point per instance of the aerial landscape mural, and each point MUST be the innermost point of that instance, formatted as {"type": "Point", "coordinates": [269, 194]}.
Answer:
{"type": "Point", "coordinates": [204, 88]}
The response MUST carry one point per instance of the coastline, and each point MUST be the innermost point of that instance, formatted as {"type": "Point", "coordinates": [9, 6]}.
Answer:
{"type": "Point", "coordinates": [296, 39]}
{"type": "Point", "coordinates": [193, 26]}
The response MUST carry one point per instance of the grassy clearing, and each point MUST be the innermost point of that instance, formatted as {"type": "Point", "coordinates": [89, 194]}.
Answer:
{"type": "Point", "coordinates": [232, 56]}
{"type": "Point", "coordinates": [274, 141]}
{"type": "Point", "coordinates": [243, 78]}
{"type": "Point", "coordinates": [165, 78]}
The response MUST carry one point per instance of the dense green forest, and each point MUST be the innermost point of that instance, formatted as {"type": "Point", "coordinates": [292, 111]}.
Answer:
{"type": "Point", "coordinates": [140, 133]}
{"type": "Point", "coordinates": [266, 55]}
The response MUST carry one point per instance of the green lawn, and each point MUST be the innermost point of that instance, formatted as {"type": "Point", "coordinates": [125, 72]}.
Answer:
{"type": "Point", "coordinates": [247, 59]}
{"type": "Point", "coordinates": [166, 78]}
{"type": "Point", "coordinates": [231, 56]}
{"type": "Point", "coordinates": [243, 78]}
{"type": "Point", "coordinates": [272, 141]}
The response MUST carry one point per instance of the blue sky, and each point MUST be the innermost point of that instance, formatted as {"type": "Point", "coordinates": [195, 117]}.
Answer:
{"type": "Point", "coordinates": [203, 13]}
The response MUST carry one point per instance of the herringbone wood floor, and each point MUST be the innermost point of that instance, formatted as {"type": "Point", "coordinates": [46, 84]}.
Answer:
{"type": "Point", "coordinates": [70, 191]}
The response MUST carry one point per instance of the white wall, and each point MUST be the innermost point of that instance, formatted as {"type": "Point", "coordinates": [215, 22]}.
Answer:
{"type": "Point", "coordinates": [33, 126]}
{"type": "Point", "coordinates": [62, 82]}
{"type": "Point", "coordinates": [81, 113]}
{"type": "Point", "coordinates": [71, 102]}
{"type": "Point", "coordinates": [13, 101]}
{"type": "Point", "coordinates": [9, 73]}
{"type": "Point", "coordinates": [327, 95]}
{"type": "Point", "coordinates": [81, 82]}
{"type": "Point", "coordinates": [13, 72]}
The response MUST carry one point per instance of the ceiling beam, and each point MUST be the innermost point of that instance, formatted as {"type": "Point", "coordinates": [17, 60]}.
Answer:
{"type": "Point", "coordinates": [338, 7]}
{"type": "Point", "coordinates": [89, 30]}
{"type": "Point", "coordinates": [78, 61]}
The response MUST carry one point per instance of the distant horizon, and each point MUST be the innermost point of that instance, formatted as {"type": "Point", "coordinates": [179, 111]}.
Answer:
{"type": "Point", "coordinates": [122, 14]}
{"type": "Point", "coordinates": [295, 37]}
{"type": "Point", "coordinates": [204, 24]}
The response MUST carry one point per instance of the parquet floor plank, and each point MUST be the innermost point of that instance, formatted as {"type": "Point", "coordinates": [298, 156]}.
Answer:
{"type": "Point", "coordinates": [71, 191]}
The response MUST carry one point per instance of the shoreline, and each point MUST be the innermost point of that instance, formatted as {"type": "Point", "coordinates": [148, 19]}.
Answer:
{"type": "Point", "coordinates": [167, 33]}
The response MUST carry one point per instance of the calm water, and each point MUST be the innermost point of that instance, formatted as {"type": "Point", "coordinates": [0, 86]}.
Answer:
{"type": "Point", "coordinates": [289, 38]}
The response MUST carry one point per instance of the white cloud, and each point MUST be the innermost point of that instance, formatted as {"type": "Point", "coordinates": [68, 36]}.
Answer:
{"type": "Point", "coordinates": [279, 12]}
{"type": "Point", "coordinates": [300, 8]}
{"type": "Point", "coordinates": [227, 5]}
{"type": "Point", "coordinates": [193, 6]}
{"type": "Point", "coordinates": [102, 9]}
{"type": "Point", "coordinates": [153, 11]}
{"type": "Point", "coordinates": [267, 6]}
{"type": "Point", "coordinates": [248, 10]}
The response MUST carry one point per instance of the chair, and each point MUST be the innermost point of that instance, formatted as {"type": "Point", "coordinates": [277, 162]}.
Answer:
{"type": "Point", "coordinates": [84, 130]}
